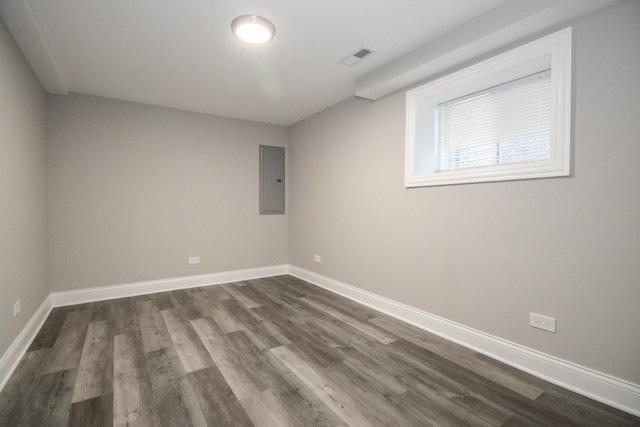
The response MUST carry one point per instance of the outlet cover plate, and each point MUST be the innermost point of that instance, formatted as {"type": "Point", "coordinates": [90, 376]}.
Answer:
{"type": "Point", "coordinates": [540, 321]}
{"type": "Point", "coordinates": [194, 260]}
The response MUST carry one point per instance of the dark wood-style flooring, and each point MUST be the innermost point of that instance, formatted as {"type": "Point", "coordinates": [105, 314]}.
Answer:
{"type": "Point", "coordinates": [268, 352]}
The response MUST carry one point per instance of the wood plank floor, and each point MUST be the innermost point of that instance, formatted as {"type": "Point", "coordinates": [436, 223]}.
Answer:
{"type": "Point", "coordinates": [269, 352]}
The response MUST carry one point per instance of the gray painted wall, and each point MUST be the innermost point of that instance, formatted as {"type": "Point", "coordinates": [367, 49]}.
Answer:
{"type": "Point", "coordinates": [134, 190]}
{"type": "Point", "coordinates": [485, 255]}
{"type": "Point", "coordinates": [23, 213]}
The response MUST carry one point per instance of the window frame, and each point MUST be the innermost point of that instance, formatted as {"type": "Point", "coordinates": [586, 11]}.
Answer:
{"type": "Point", "coordinates": [550, 52]}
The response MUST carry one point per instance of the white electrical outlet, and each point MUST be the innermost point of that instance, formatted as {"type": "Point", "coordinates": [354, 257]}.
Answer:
{"type": "Point", "coordinates": [317, 258]}
{"type": "Point", "coordinates": [545, 323]}
{"type": "Point", "coordinates": [194, 260]}
{"type": "Point", "coordinates": [17, 308]}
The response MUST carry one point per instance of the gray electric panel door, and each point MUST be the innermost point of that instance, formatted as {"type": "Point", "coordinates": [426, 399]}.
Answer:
{"type": "Point", "coordinates": [271, 180]}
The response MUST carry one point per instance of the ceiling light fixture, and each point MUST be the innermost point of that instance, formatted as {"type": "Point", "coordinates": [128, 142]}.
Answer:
{"type": "Point", "coordinates": [253, 29]}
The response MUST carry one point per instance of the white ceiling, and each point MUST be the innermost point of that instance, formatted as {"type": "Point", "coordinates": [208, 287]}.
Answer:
{"type": "Point", "coordinates": [181, 54]}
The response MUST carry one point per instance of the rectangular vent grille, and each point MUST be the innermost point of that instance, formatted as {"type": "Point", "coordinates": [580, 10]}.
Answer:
{"type": "Point", "coordinates": [356, 57]}
{"type": "Point", "coordinates": [362, 53]}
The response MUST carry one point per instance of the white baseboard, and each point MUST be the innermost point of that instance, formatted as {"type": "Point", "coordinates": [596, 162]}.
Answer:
{"type": "Point", "coordinates": [595, 385]}
{"type": "Point", "coordinates": [598, 386]}
{"type": "Point", "coordinates": [20, 345]}
{"type": "Point", "coordinates": [11, 358]}
{"type": "Point", "coordinates": [81, 296]}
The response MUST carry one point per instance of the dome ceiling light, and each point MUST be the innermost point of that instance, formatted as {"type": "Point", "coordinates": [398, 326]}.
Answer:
{"type": "Point", "coordinates": [253, 29]}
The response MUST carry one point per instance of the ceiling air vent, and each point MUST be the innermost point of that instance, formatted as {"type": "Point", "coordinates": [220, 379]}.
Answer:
{"type": "Point", "coordinates": [357, 56]}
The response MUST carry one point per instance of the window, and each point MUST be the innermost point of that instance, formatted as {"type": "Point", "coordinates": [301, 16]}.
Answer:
{"type": "Point", "coordinates": [502, 119]}
{"type": "Point", "coordinates": [510, 123]}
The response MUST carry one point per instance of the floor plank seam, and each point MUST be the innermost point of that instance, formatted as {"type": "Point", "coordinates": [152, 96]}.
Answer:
{"type": "Point", "coordinates": [273, 351]}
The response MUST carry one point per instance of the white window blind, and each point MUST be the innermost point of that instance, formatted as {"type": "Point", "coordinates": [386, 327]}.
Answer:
{"type": "Point", "coordinates": [506, 124]}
